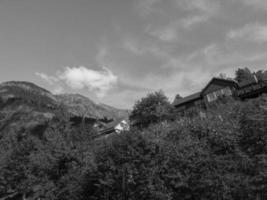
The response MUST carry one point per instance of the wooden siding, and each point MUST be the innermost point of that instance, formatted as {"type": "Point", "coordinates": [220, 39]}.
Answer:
{"type": "Point", "coordinates": [253, 90]}
{"type": "Point", "coordinates": [217, 85]}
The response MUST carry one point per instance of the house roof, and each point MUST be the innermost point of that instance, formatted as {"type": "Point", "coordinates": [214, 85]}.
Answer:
{"type": "Point", "coordinates": [231, 81]}
{"type": "Point", "coordinates": [110, 127]}
{"type": "Point", "coordinates": [186, 99]}
{"type": "Point", "coordinates": [197, 95]}
{"type": "Point", "coordinates": [114, 123]}
{"type": "Point", "coordinates": [247, 83]}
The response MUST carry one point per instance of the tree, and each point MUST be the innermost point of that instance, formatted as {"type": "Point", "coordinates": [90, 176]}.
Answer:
{"type": "Point", "coordinates": [243, 74]}
{"type": "Point", "coordinates": [153, 108]}
{"type": "Point", "coordinates": [178, 96]}
{"type": "Point", "coordinates": [48, 167]}
{"type": "Point", "coordinates": [261, 75]}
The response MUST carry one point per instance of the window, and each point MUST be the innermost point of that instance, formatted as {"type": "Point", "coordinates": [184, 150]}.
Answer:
{"type": "Point", "coordinates": [211, 97]}
{"type": "Point", "coordinates": [218, 93]}
{"type": "Point", "coordinates": [227, 91]}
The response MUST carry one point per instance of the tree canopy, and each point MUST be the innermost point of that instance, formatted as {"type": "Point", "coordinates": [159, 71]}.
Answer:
{"type": "Point", "coordinates": [243, 74]}
{"type": "Point", "coordinates": [153, 108]}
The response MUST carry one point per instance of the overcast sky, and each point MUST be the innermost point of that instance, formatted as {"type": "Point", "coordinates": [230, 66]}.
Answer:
{"type": "Point", "coordinates": [116, 51]}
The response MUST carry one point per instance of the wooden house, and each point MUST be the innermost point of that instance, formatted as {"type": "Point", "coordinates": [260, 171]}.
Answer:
{"type": "Point", "coordinates": [218, 88]}
{"type": "Point", "coordinates": [252, 88]}
{"type": "Point", "coordinates": [188, 102]}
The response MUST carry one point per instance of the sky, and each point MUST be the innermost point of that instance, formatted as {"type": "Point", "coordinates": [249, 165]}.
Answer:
{"type": "Point", "coordinates": [117, 51]}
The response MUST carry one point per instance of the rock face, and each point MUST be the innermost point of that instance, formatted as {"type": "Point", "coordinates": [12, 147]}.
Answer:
{"type": "Point", "coordinates": [29, 109]}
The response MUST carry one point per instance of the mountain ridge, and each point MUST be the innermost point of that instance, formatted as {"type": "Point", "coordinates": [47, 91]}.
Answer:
{"type": "Point", "coordinates": [75, 104]}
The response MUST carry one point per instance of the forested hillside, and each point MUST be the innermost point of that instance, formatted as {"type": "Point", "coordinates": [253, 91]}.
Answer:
{"type": "Point", "coordinates": [218, 154]}
{"type": "Point", "coordinates": [222, 156]}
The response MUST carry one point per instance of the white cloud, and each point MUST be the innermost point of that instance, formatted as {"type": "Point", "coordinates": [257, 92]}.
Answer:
{"type": "Point", "coordinates": [77, 78]}
{"type": "Point", "coordinates": [81, 77]}
{"type": "Point", "coordinates": [251, 32]}
{"type": "Point", "coordinates": [49, 79]}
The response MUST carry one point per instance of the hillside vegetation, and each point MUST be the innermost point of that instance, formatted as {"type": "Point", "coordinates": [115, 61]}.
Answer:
{"type": "Point", "coordinates": [221, 155]}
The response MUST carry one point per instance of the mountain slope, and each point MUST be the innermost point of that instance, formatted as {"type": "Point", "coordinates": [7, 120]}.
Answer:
{"type": "Point", "coordinates": [25, 95]}
{"type": "Point", "coordinates": [83, 106]}
{"type": "Point", "coordinates": [27, 109]}
{"type": "Point", "coordinates": [27, 92]}
{"type": "Point", "coordinates": [119, 113]}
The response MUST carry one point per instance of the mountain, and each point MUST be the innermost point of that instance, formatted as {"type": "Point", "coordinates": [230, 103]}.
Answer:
{"type": "Point", "coordinates": [79, 105]}
{"type": "Point", "coordinates": [26, 108]}
{"type": "Point", "coordinates": [119, 113]}
{"type": "Point", "coordinates": [23, 102]}
{"type": "Point", "coordinates": [26, 91]}
{"type": "Point", "coordinates": [46, 140]}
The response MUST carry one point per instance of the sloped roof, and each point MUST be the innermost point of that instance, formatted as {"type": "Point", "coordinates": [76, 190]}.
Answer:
{"type": "Point", "coordinates": [197, 95]}
{"type": "Point", "coordinates": [186, 99]}
{"type": "Point", "coordinates": [247, 83]}
{"type": "Point", "coordinates": [220, 79]}
{"type": "Point", "coordinates": [114, 123]}
{"type": "Point", "coordinates": [110, 127]}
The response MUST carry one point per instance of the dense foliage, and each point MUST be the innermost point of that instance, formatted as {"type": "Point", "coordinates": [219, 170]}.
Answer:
{"type": "Point", "coordinates": [245, 74]}
{"type": "Point", "coordinates": [151, 109]}
{"type": "Point", "coordinates": [221, 156]}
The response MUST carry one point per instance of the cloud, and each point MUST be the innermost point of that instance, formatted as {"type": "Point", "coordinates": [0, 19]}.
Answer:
{"type": "Point", "coordinates": [190, 21]}
{"type": "Point", "coordinates": [136, 47]}
{"type": "Point", "coordinates": [81, 77]}
{"type": "Point", "coordinates": [224, 58]}
{"type": "Point", "coordinates": [259, 4]}
{"type": "Point", "coordinates": [77, 78]}
{"type": "Point", "coordinates": [182, 16]}
{"type": "Point", "coordinates": [49, 79]}
{"type": "Point", "coordinates": [132, 46]}
{"type": "Point", "coordinates": [166, 34]}
{"type": "Point", "coordinates": [58, 90]}
{"type": "Point", "coordinates": [250, 32]}
{"type": "Point", "coordinates": [54, 81]}
{"type": "Point", "coordinates": [208, 6]}
{"type": "Point", "coordinates": [146, 7]}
